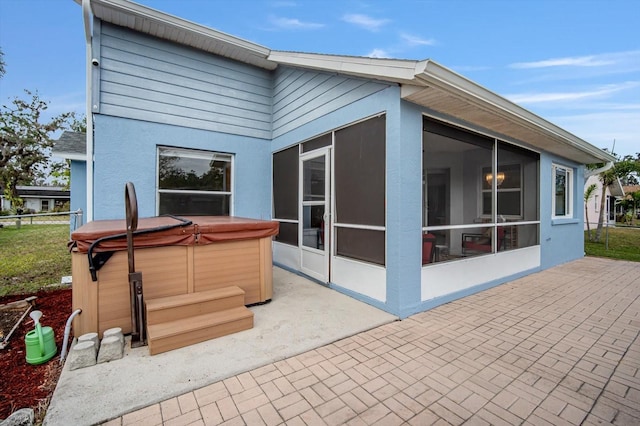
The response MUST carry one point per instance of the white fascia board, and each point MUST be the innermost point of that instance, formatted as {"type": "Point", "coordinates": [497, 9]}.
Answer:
{"type": "Point", "coordinates": [69, 155]}
{"type": "Point", "coordinates": [441, 77]}
{"type": "Point", "coordinates": [391, 70]}
{"type": "Point", "coordinates": [135, 11]}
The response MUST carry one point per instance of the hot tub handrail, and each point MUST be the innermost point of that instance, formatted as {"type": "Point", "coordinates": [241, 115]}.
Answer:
{"type": "Point", "coordinates": [92, 268]}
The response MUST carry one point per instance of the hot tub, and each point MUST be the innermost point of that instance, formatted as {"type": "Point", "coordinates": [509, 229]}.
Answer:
{"type": "Point", "coordinates": [186, 255]}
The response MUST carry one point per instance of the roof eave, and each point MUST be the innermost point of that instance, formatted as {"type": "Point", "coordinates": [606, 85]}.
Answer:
{"type": "Point", "coordinates": [163, 25]}
{"type": "Point", "coordinates": [389, 70]}
{"type": "Point", "coordinates": [436, 75]}
{"type": "Point", "coordinates": [69, 155]}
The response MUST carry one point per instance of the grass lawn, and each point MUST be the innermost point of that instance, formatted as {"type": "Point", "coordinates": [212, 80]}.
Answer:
{"type": "Point", "coordinates": [32, 257]}
{"type": "Point", "coordinates": [624, 244]}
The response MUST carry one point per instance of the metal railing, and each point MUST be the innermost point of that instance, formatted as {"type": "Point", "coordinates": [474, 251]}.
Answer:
{"type": "Point", "coordinates": [72, 218]}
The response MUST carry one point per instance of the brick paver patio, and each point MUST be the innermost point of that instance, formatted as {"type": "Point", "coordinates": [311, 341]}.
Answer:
{"type": "Point", "coordinates": [558, 347]}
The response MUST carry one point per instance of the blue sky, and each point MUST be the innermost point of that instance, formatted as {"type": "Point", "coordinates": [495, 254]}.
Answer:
{"type": "Point", "coordinates": [575, 63]}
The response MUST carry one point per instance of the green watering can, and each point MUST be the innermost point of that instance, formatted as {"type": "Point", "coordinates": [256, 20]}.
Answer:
{"type": "Point", "coordinates": [40, 343]}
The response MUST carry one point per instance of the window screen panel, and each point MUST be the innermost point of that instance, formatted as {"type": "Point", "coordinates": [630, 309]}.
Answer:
{"type": "Point", "coordinates": [285, 184]}
{"type": "Point", "coordinates": [319, 142]}
{"type": "Point", "coordinates": [360, 173]}
{"type": "Point", "coordinates": [361, 244]}
{"type": "Point", "coordinates": [288, 233]}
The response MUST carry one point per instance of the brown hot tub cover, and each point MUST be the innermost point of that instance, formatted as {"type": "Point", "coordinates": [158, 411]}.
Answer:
{"type": "Point", "coordinates": [201, 230]}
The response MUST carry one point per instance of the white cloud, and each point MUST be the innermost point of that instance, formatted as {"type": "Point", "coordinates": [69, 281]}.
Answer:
{"type": "Point", "coordinates": [364, 21]}
{"type": "Point", "coordinates": [598, 60]}
{"type": "Point", "coordinates": [412, 40]}
{"type": "Point", "coordinates": [378, 53]}
{"type": "Point", "coordinates": [549, 97]}
{"type": "Point", "coordinates": [580, 61]}
{"type": "Point", "coordinates": [294, 24]}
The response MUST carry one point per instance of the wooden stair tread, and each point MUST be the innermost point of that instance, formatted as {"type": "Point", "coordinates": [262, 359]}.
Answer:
{"type": "Point", "coordinates": [186, 325]}
{"type": "Point", "coordinates": [192, 298]}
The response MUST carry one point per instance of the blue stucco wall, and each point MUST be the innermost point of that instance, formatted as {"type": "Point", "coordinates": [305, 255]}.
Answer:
{"type": "Point", "coordinates": [404, 207]}
{"type": "Point", "coordinates": [403, 188]}
{"type": "Point", "coordinates": [561, 240]}
{"type": "Point", "coordinates": [126, 150]}
{"type": "Point", "coordinates": [79, 188]}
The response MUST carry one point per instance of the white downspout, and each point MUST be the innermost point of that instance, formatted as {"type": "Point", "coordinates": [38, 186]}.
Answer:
{"type": "Point", "coordinates": [590, 173]}
{"type": "Point", "coordinates": [86, 13]}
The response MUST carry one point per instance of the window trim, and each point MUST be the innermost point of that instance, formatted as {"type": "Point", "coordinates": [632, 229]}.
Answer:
{"type": "Point", "coordinates": [159, 191]}
{"type": "Point", "coordinates": [569, 189]}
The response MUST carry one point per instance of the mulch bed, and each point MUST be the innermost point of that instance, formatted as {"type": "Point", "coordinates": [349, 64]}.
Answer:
{"type": "Point", "coordinates": [24, 385]}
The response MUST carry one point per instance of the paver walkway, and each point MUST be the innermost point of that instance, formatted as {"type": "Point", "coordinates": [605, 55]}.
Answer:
{"type": "Point", "coordinates": [558, 347]}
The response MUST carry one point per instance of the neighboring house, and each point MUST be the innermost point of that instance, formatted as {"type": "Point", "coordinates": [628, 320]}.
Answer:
{"type": "Point", "coordinates": [38, 198]}
{"type": "Point", "coordinates": [629, 191]}
{"type": "Point", "coordinates": [614, 193]}
{"type": "Point", "coordinates": [398, 182]}
{"type": "Point", "coordinates": [72, 146]}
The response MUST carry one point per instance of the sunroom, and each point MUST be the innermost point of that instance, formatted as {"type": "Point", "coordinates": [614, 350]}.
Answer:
{"type": "Point", "coordinates": [446, 190]}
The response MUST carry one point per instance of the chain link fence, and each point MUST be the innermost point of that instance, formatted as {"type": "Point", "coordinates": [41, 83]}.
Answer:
{"type": "Point", "coordinates": [73, 219]}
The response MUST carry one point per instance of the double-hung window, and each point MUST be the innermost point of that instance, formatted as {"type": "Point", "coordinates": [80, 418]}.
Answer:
{"type": "Point", "coordinates": [563, 192]}
{"type": "Point", "coordinates": [194, 182]}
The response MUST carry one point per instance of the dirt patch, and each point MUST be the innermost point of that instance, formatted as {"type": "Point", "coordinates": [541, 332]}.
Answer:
{"type": "Point", "coordinates": [25, 385]}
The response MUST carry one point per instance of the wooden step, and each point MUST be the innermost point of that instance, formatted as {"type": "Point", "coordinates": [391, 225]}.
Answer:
{"type": "Point", "coordinates": [171, 308]}
{"type": "Point", "coordinates": [188, 331]}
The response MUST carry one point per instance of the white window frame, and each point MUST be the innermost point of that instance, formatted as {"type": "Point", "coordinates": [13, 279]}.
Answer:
{"type": "Point", "coordinates": [569, 202]}
{"type": "Point", "coordinates": [195, 152]}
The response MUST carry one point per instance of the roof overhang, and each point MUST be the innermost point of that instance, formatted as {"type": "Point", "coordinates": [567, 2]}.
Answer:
{"type": "Point", "coordinates": [153, 22]}
{"type": "Point", "coordinates": [616, 189]}
{"type": "Point", "coordinates": [425, 83]}
{"type": "Point", "coordinates": [449, 93]}
{"type": "Point", "coordinates": [69, 155]}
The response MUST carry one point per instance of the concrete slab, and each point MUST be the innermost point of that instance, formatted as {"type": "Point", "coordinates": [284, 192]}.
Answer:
{"type": "Point", "coordinates": [302, 316]}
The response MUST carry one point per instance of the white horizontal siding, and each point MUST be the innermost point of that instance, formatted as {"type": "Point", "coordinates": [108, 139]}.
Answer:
{"type": "Point", "coordinates": [149, 79]}
{"type": "Point", "coordinates": [301, 96]}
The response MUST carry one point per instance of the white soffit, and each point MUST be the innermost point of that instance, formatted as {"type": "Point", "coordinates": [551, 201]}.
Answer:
{"type": "Point", "coordinates": [452, 94]}
{"type": "Point", "coordinates": [153, 22]}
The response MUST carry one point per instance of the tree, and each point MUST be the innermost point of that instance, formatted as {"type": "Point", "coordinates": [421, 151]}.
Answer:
{"type": "Point", "coordinates": [620, 170]}
{"type": "Point", "coordinates": [588, 193]}
{"type": "Point", "coordinates": [2, 66]}
{"type": "Point", "coordinates": [25, 141]}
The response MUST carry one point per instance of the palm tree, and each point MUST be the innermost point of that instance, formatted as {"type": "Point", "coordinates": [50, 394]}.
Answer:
{"type": "Point", "coordinates": [620, 170]}
{"type": "Point", "coordinates": [588, 193]}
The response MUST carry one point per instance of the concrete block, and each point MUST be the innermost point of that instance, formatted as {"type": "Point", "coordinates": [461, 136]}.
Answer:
{"type": "Point", "coordinates": [90, 337]}
{"type": "Point", "coordinates": [22, 417]}
{"type": "Point", "coordinates": [116, 331]}
{"type": "Point", "coordinates": [110, 349]}
{"type": "Point", "coordinates": [83, 354]}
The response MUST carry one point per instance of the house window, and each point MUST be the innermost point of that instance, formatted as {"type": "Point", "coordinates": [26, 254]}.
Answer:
{"type": "Point", "coordinates": [44, 205]}
{"type": "Point", "coordinates": [192, 182]}
{"type": "Point", "coordinates": [563, 192]}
